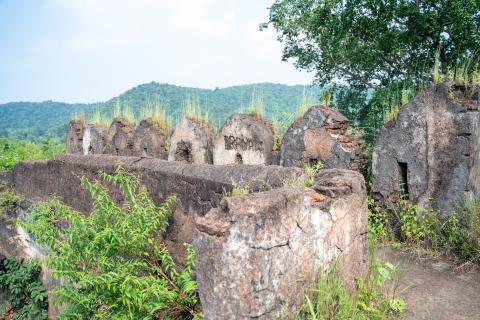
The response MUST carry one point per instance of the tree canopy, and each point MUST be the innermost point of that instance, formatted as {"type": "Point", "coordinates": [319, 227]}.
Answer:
{"type": "Point", "coordinates": [375, 42]}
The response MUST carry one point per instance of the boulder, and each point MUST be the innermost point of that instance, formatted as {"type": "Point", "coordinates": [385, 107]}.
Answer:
{"type": "Point", "coordinates": [75, 137]}
{"type": "Point", "coordinates": [150, 140]}
{"type": "Point", "coordinates": [95, 139]}
{"type": "Point", "coordinates": [191, 142]}
{"type": "Point", "coordinates": [258, 254]}
{"type": "Point", "coordinates": [244, 139]}
{"type": "Point", "coordinates": [323, 134]}
{"type": "Point", "coordinates": [431, 150]}
{"type": "Point", "coordinates": [122, 133]}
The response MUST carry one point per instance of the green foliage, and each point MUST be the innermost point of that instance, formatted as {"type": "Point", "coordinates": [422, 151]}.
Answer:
{"type": "Point", "coordinates": [458, 235]}
{"type": "Point", "coordinates": [113, 259]}
{"type": "Point", "coordinates": [372, 42]}
{"type": "Point", "coordinates": [305, 180]}
{"type": "Point", "coordinates": [237, 190]}
{"type": "Point", "coordinates": [24, 295]}
{"type": "Point", "coordinates": [14, 151]}
{"type": "Point", "coordinates": [378, 224]}
{"type": "Point", "coordinates": [373, 298]}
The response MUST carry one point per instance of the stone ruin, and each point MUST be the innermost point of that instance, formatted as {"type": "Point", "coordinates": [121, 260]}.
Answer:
{"type": "Point", "coordinates": [122, 133]}
{"type": "Point", "coordinates": [323, 134]}
{"type": "Point", "coordinates": [256, 254]}
{"type": "Point", "coordinates": [95, 139]}
{"type": "Point", "coordinates": [244, 139]}
{"type": "Point", "coordinates": [430, 152]}
{"type": "Point", "coordinates": [150, 140]}
{"type": "Point", "coordinates": [74, 137]}
{"type": "Point", "coordinates": [191, 142]}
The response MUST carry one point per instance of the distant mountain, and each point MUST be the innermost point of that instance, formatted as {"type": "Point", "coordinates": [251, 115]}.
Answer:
{"type": "Point", "coordinates": [34, 120]}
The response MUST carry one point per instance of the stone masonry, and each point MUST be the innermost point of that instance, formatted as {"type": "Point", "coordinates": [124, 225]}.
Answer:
{"type": "Point", "coordinates": [323, 134]}
{"type": "Point", "coordinates": [257, 255]}
{"type": "Point", "coordinates": [431, 150]}
{"type": "Point", "coordinates": [191, 142]}
{"type": "Point", "coordinates": [244, 139]}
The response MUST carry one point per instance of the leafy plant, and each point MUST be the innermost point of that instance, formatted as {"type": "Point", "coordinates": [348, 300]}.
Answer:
{"type": "Point", "coordinates": [24, 295]}
{"type": "Point", "coordinates": [373, 298]}
{"type": "Point", "coordinates": [113, 260]}
{"type": "Point", "coordinates": [14, 151]}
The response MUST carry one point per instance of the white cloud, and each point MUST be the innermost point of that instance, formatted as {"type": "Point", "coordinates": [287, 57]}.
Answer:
{"type": "Point", "coordinates": [107, 46]}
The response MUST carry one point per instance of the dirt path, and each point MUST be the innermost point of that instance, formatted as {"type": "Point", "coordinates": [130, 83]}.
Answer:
{"type": "Point", "coordinates": [436, 289]}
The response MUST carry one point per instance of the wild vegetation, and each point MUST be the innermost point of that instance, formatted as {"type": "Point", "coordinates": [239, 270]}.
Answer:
{"type": "Point", "coordinates": [13, 151]}
{"type": "Point", "coordinates": [112, 260]}
{"type": "Point", "coordinates": [33, 121]}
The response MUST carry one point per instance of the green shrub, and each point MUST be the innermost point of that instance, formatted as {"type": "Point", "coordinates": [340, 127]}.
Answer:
{"type": "Point", "coordinates": [115, 265]}
{"type": "Point", "coordinates": [373, 298]}
{"type": "Point", "coordinates": [24, 295]}
{"type": "Point", "coordinates": [14, 151]}
{"type": "Point", "coordinates": [461, 231]}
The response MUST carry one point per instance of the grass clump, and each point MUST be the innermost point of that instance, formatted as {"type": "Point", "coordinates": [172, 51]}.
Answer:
{"type": "Point", "coordinates": [98, 118]}
{"type": "Point", "coordinates": [256, 106]}
{"type": "Point", "coordinates": [193, 110]}
{"type": "Point", "coordinates": [237, 190]}
{"type": "Point", "coordinates": [458, 235]}
{"type": "Point", "coordinates": [78, 117]}
{"type": "Point", "coordinates": [155, 111]}
{"type": "Point", "coordinates": [374, 296]}
{"type": "Point", "coordinates": [112, 259]}
{"type": "Point", "coordinates": [306, 180]}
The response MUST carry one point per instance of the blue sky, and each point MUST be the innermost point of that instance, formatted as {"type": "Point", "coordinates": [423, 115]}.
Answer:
{"type": "Point", "coordinates": [92, 50]}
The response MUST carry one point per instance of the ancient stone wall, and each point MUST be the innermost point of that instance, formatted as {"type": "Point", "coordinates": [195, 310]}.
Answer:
{"type": "Point", "coordinates": [323, 134]}
{"type": "Point", "coordinates": [150, 140]}
{"type": "Point", "coordinates": [122, 133]}
{"type": "Point", "coordinates": [258, 255]}
{"type": "Point", "coordinates": [198, 188]}
{"type": "Point", "coordinates": [191, 142]}
{"type": "Point", "coordinates": [244, 139]}
{"type": "Point", "coordinates": [430, 150]}
{"type": "Point", "coordinates": [95, 139]}
{"type": "Point", "coordinates": [74, 137]}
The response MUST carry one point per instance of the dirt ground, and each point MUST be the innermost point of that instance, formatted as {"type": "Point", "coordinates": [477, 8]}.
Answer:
{"type": "Point", "coordinates": [436, 288]}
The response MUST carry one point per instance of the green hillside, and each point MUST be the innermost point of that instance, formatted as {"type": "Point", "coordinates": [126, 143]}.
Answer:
{"type": "Point", "coordinates": [34, 120]}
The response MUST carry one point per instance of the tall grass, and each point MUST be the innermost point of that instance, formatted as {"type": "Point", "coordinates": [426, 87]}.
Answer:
{"type": "Point", "coordinates": [256, 105]}
{"type": "Point", "coordinates": [78, 117]}
{"type": "Point", "coordinates": [193, 110]}
{"type": "Point", "coordinates": [99, 118]}
{"type": "Point", "coordinates": [155, 110]}
{"type": "Point", "coordinates": [306, 101]}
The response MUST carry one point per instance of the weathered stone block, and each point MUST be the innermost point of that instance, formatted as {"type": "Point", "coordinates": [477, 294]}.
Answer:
{"type": "Point", "coordinates": [258, 254]}
{"type": "Point", "coordinates": [431, 149]}
{"type": "Point", "coordinates": [75, 137]}
{"type": "Point", "coordinates": [323, 134]}
{"type": "Point", "coordinates": [150, 140]}
{"type": "Point", "coordinates": [122, 133]}
{"type": "Point", "coordinates": [95, 139]}
{"type": "Point", "coordinates": [244, 139]}
{"type": "Point", "coordinates": [191, 142]}
{"type": "Point", "coordinates": [198, 188]}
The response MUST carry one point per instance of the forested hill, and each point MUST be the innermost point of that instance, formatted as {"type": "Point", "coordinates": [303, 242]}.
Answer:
{"type": "Point", "coordinates": [34, 120]}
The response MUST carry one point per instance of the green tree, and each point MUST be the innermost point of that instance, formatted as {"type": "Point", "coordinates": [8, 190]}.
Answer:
{"type": "Point", "coordinates": [374, 42]}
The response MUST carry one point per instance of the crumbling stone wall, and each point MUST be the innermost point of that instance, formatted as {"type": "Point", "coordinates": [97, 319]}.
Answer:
{"type": "Point", "coordinates": [150, 140]}
{"type": "Point", "coordinates": [244, 139]}
{"type": "Point", "coordinates": [95, 139]}
{"type": "Point", "coordinates": [75, 137]}
{"type": "Point", "coordinates": [323, 134]}
{"type": "Point", "coordinates": [122, 133]}
{"type": "Point", "coordinates": [258, 255]}
{"type": "Point", "coordinates": [191, 142]}
{"type": "Point", "coordinates": [431, 149]}
{"type": "Point", "coordinates": [198, 188]}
